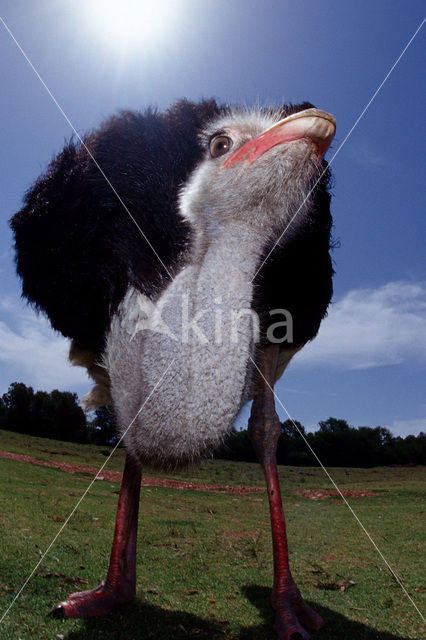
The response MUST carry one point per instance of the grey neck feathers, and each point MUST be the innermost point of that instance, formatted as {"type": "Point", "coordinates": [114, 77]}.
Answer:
{"type": "Point", "coordinates": [192, 352]}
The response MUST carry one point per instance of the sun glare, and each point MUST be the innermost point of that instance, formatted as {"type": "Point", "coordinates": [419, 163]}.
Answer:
{"type": "Point", "coordinates": [128, 24]}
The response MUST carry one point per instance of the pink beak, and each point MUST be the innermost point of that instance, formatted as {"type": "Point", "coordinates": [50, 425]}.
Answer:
{"type": "Point", "coordinates": [318, 126]}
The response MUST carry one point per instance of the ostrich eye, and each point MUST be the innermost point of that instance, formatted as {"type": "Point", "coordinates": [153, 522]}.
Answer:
{"type": "Point", "coordinates": [220, 145]}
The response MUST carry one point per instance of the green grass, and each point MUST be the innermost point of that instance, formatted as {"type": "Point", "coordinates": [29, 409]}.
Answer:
{"type": "Point", "coordinates": [204, 559]}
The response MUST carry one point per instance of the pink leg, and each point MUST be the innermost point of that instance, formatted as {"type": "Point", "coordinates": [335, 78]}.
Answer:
{"type": "Point", "coordinates": [120, 584]}
{"type": "Point", "coordinates": [292, 612]}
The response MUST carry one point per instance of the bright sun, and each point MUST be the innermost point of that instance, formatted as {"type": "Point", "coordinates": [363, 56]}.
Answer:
{"type": "Point", "coordinates": [131, 23]}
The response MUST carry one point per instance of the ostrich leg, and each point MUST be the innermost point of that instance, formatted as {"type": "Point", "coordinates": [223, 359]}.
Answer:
{"type": "Point", "coordinates": [292, 613]}
{"type": "Point", "coordinates": [120, 583]}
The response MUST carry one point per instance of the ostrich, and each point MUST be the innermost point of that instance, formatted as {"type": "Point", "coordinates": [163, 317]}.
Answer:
{"type": "Point", "coordinates": [167, 286]}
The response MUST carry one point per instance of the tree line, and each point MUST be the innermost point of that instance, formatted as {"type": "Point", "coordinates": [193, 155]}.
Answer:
{"type": "Point", "coordinates": [58, 415]}
{"type": "Point", "coordinates": [335, 443]}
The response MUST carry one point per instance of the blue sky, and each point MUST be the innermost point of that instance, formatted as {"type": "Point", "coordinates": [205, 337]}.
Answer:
{"type": "Point", "coordinates": [368, 363]}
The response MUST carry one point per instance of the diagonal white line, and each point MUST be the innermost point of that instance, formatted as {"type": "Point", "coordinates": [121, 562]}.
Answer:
{"type": "Point", "coordinates": [394, 574]}
{"type": "Point", "coordinates": [343, 142]}
{"type": "Point", "coordinates": [83, 496]}
{"type": "Point", "coordinates": [85, 146]}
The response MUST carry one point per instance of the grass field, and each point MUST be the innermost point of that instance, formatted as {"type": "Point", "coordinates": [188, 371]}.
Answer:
{"type": "Point", "coordinates": [204, 558]}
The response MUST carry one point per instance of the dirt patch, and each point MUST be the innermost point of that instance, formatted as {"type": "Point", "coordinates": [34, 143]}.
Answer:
{"type": "Point", "coordinates": [321, 494]}
{"type": "Point", "coordinates": [181, 485]}
{"type": "Point", "coordinates": [116, 476]}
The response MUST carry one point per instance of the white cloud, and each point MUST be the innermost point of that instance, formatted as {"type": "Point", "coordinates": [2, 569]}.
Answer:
{"type": "Point", "coordinates": [371, 328]}
{"type": "Point", "coordinates": [31, 352]}
{"type": "Point", "coordinates": [408, 427]}
{"type": "Point", "coordinates": [368, 156]}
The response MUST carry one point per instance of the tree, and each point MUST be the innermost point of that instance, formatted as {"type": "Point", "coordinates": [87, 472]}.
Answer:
{"type": "Point", "coordinates": [336, 443]}
{"type": "Point", "coordinates": [104, 427]}
{"type": "Point", "coordinates": [18, 403]}
{"type": "Point", "coordinates": [51, 415]}
{"type": "Point", "coordinates": [3, 414]}
{"type": "Point", "coordinates": [333, 425]}
{"type": "Point", "coordinates": [43, 418]}
{"type": "Point", "coordinates": [292, 448]}
{"type": "Point", "coordinates": [69, 420]}
{"type": "Point", "coordinates": [413, 449]}
{"type": "Point", "coordinates": [236, 446]}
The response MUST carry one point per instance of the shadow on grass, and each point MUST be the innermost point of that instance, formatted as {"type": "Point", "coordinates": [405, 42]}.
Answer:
{"type": "Point", "coordinates": [142, 621]}
{"type": "Point", "coordinates": [336, 625]}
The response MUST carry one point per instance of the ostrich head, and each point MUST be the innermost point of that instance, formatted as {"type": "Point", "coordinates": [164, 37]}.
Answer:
{"type": "Point", "coordinates": [258, 163]}
{"type": "Point", "coordinates": [255, 177]}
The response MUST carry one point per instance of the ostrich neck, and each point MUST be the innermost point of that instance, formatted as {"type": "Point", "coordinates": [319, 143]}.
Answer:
{"type": "Point", "coordinates": [216, 328]}
{"type": "Point", "coordinates": [227, 262]}
{"type": "Point", "coordinates": [194, 356]}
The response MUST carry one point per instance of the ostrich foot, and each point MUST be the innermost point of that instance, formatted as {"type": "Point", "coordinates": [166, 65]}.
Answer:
{"type": "Point", "coordinates": [96, 602]}
{"type": "Point", "coordinates": [119, 586]}
{"type": "Point", "coordinates": [293, 614]}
